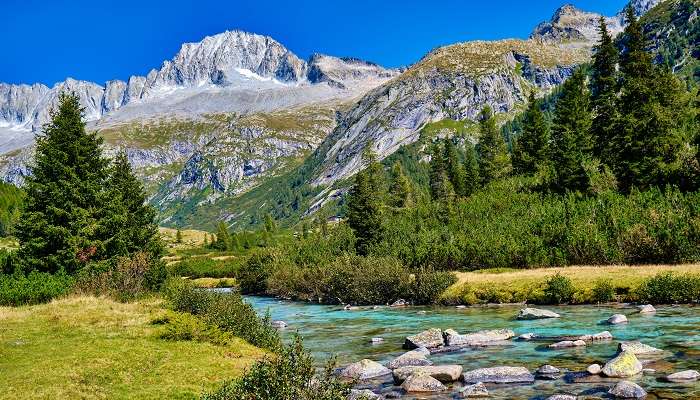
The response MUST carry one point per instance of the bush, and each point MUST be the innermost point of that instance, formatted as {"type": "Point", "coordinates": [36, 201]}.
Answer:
{"type": "Point", "coordinates": [429, 285]}
{"type": "Point", "coordinates": [203, 267]}
{"type": "Point", "coordinates": [34, 288]}
{"type": "Point", "coordinates": [670, 288]}
{"type": "Point", "coordinates": [558, 290]}
{"type": "Point", "coordinates": [128, 279]}
{"type": "Point", "coordinates": [184, 326]}
{"type": "Point", "coordinates": [227, 311]}
{"type": "Point", "coordinates": [603, 292]}
{"type": "Point", "coordinates": [252, 276]}
{"type": "Point", "coordinates": [289, 375]}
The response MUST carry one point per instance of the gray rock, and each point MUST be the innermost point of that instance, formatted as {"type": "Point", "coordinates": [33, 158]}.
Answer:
{"type": "Point", "coordinates": [562, 397]}
{"type": "Point", "coordinates": [638, 348]}
{"type": "Point", "coordinates": [452, 338]}
{"type": "Point", "coordinates": [418, 383]}
{"type": "Point", "coordinates": [472, 391]}
{"type": "Point", "coordinates": [499, 375]}
{"type": "Point", "coordinates": [536, 313]}
{"type": "Point", "coordinates": [400, 303]}
{"type": "Point", "coordinates": [443, 373]}
{"type": "Point", "coordinates": [432, 338]}
{"type": "Point", "coordinates": [567, 343]}
{"type": "Point", "coordinates": [413, 358]}
{"type": "Point", "coordinates": [376, 340]}
{"type": "Point", "coordinates": [646, 309]}
{"type": "Point", "coordinates": [548, 372]}
{"type": "Point", "coordinates": [365, 394]}
{"type": "Point", "coordinates": [684, 376]}
{"type": "Point", "coordinates": [594, 369]}
{"type": "Point", "coordinates": [605, 335]}
{"type": "Point", "coordinates": [527, 337]}
{"type": "Point", "coordinates": [627, 390]}
{"type": "Point", "coordinates": [623, 365]}
{"type": "Point", "coordinates": [617, 319]}
{"type": "Point", "coordinates": [279, 324]}
{"type": "Point", "coordinates": [364, 369]}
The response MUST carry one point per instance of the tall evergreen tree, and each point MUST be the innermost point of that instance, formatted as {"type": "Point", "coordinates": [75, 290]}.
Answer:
{"type": "Point", "coordinates": [440, 186]}
{"type": "Point", "coordinates": [223, 237]}
{"type": "Point", "coordinates": [270, 226]}
{"type": "Point", "coordinates": [531, 150]}
{"type": "Point", "coordinates": [455, 168]}
{"type": "Point", "coordinates": [365, 204]}
{"type": "Point", "coordinates": [471, 167]}
{"type": "Point", "coordinates": [572, 145]}
{"type": "Point", "coordinates": [400, 190]}
{"type": "Point", "coordinates": [494, 160]}
{"type": "Point", "coordinates": [60, 224]}
{"type": "Point", "coordinates": [129, 222]}
{"type": "Point", "coordinates": [603, 87]}
{"type": "Point", "coordinates": [648, 138]}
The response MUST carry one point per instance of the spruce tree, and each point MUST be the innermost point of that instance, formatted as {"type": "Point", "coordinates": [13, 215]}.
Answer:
{"type": "Point", "coordinates": [129, 222]}
{"type": "Point", "coordinates": [223, 238]}
{"type": "Point", "coordinates": [60, 225]}
{"type": "Point", "coordinates": [648, 137]}
{"type": "Point", "coordinates": [603, 88]}
{"type": "Point", "coordinates": [400, 190]}
{"type": "Point", "coordinates": [572, 145]}
{"type": "Point", "coordinates": [471, 166]}
{"type": "Point", "coordinates": [494, 160]}
{"type": "Point", "coordinates": [440, 187]}
{"type": "Point", "coordinates": [455, 168]}
{"type": "Point", "coordinates": [270, 226]}
{"type": "Point", "coordinates": [365, 203]}
{"type": "Point", "coordinates": [531, 149]}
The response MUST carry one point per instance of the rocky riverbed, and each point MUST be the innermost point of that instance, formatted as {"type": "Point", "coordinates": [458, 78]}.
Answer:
{"type": "Point", "coordinates": [513, 358]}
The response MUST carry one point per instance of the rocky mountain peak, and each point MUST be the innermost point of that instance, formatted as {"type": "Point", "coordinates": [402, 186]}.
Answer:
{"type": "Point", "coordinates": [572, 24]}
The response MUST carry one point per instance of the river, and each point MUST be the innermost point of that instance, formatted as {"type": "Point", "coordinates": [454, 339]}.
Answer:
{"type": "Point", "coordinates": [331, 331]}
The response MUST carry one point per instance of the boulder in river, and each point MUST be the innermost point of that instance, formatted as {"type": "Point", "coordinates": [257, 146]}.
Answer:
{"type": "Point", "coordinates": [684, 376]}
{"type": "Point", "coordinates": [443, 373]}
{"type": "Point", "coordinates": [527, 337]}
{"type": "Point", "coordinates": [430, 339]}
{"type": "Point", "coordinates": [400, 303]}
{"type": "Point", "coordinates": [452, 338]}
{"type": "Point", "coordinates": [279, 324]}
{"type": "Point", "coordinates": [364, 369]}
{"type": "Point", "coordinates": [594, 369]}
{"type": "Point", "coordinates": [365, 394]}
{"type": "Point", "coordinates": [499, 375]}
{"type": "Point", "coordinates": [638, 348]}
{"type": "Point", "coordinates": [646, 309]}
{"type": "Point", "coordinates": [562, 397]}
{"type": "Point", "coordinates": [536, 313]}
{"type": "Point", "coordinates": [548, 372]}
{"type": "Point", "coordinates": [623, 365]}
{"type": "Point", "coordinates": [567, 343]}
{"type": "Point", "coordinates": [598, 337]}
{"type": "Point", "coordinates": [420, 383]}
{"type": "Point", "coordinates": [413, 358]}
{"type": "Point", "coordinates": [627, 390]}
{"type": "Point", "coordinates": [617, 319]}
{"type": "Point", "coordinates": [473, 391]}
{"type": "Point", "coordinates": [376, 340]}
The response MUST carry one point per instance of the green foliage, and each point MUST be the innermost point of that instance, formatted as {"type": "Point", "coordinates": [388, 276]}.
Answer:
{"type": "Point", "coordinates": [603, 291]}
{"type": "Point", "coordinates": [227, 311]}
{"type": "Point", "coordinates": [253, 274]}
{"type": "Point", "coordinates": [603, 88]}
{"type": "Point", "coordinates": [11, 200]}
{"type": "Point", "coordinates": [456, 171]}
{"type": "Point", "coordinates": [289, 375]}
{"type": "Point", "coordinates": [558, 290]}
{"type": "Point", "coordinates": [494, 160]}
{"type": "Point", "coordinates": [223, 237]}
{"type": "Point", "coordinates": [187, 327]}
{"type": "Point", "coordinates": [36, 287]}
{"type": "Point", "coordinates": [441, 188]}
{"type": "Point", "coordinates": [365, 203]}
{"type": "Point", "coordinates": [471, 167]}
{"type": "Point", "coordinates": [430, 284]}
{"type": "Point", "coordinates": [531, 149]}
{"type": "Point", "coordinates": [670, 288]}
{"type": "Point", "coordinates": [203, 267]}
{"type": "Point", "coordinates": [400, 190]}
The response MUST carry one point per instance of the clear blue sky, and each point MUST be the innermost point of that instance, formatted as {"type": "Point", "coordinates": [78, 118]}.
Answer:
{"type": "Point", "coordinates": [47, 41]}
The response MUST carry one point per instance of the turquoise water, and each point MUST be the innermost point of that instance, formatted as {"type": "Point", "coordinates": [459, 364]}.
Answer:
{"type": "Point", "coordinates": [331, 331]}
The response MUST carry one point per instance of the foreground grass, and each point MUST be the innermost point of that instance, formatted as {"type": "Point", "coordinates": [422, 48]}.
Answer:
{"type": "Point", "coordinates": [584, 278]}
{"type": "Point", "coordinates": [95, 348]}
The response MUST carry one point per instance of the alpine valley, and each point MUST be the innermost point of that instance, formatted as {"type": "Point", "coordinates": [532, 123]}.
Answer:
{"type": "Point", "coordinates": [236, 125]}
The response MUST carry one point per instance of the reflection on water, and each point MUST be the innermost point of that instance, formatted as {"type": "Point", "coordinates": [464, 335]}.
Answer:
{"type": "Point", "coordinates": [330, 330]}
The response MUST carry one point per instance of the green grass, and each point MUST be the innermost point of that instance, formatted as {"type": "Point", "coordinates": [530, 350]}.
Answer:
{"type": "Point", "coordinates": [95, 348]}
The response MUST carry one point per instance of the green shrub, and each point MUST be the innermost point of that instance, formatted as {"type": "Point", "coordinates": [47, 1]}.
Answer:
{"type": "Point", "coordinates": [289, 375]}
{"type": "Point", "coordinates": [253, 274]}
{"type": "Point", "coordinates": [429, 285]}
{"type": "Point", "coordinates": [603, 292]}
{"type": "Point", "coordinates": [203, 267]}
{"type": "Point", "coordinates": [670, 288]}
{"type": "Point", "coordinates": [34, 288]}
{"type": "Point", "coordinates": [185, 326]}
{"type": "Point", "coordinates": [227, 311]}
{"type": "Point", "coordinates": [558, 290]}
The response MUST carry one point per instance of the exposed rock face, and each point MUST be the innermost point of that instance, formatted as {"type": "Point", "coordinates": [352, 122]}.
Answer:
{"type": "Point", "coordinates": [623, 365]}
{"type": "Point", "coordinates": [419, 383]}
{"type": "Point", "coordinates": [443, 373]}
{"type": "Point", "coordinates": [430, 339]}
{"type": "Point", "coordinates": [536, 313]}
{"type": "Point", "coordinates": [571, 24]}
{"type": "Point", "coordinates": [627, 390]}
{"type": "Point", "coordinates": [499, 375]}
{"type": "Point", "coordinates": [364, 369]}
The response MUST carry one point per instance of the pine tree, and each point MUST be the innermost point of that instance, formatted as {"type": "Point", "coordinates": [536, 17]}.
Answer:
{"type": "Point", "coordinates": [400, 190]}
{"type": "Point", "coordinates": [129, 221]}
{"type": "Point", "coordinates": [365, 204]}
{"type": "Point", "coordinates": [494, 160]}
{"type": "Point", "coordinates": [603, 88]}
{"type": "Point", "coordinates": [60, 224]}
{"type": "Point", "coordinates": [572, 145]}
{"type": "Point", "coordinates": [178, 236]}
{"type": "Point", "coordinates": [454, 168]}
{"type": "Point", "coordinates": [648, 137]}
{"type": "Point", "coordinates": [471, 166]}
{"type": "Point", "coordinates": [223, 238]}
{"type": "Point", "coordinates": [531, 150]}
{"type": "Point", "coordinates": [270, 226]}
{"type": "Point", "coordinates": [440, 187]}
